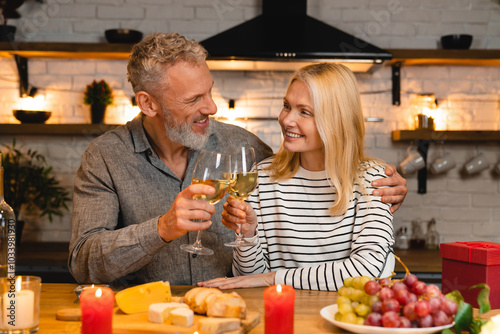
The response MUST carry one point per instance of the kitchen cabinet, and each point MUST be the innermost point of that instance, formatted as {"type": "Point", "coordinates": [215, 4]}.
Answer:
{"type": "Point", "coordinates": [424, 137]}
{"type": "Point", "coordinates": [56, 129]}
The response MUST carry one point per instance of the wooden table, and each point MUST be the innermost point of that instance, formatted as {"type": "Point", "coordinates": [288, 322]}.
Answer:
{"type": "Point", "coordinates": [307, 307]}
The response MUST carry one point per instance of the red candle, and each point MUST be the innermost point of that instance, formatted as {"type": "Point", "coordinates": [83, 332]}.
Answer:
{"type": "Point", "coordinates": [97, 310]}
{"type": "Point", "coordinates": [279, 303]}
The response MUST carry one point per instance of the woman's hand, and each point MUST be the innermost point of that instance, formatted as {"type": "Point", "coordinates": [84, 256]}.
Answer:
{"type": "Point", "coordinates": [249, 281]}
{"type": "Point", "coordinates": [237, 213]}
{"type": "Point", "coordinates": [396, 190]}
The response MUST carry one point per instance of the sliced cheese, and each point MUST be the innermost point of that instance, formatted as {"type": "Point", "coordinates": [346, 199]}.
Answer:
{"type": "Point", "coordinates": [182, 317]}
{"type": "Point", "coordinates": [138, 298]}
{"type": "Point", "coordinates": [160, 312]}
{"type": "Point", "coordinates": [218, 325]}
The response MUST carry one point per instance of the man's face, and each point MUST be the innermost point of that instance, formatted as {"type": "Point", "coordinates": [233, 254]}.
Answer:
{"type": "Point", "coordinates": [187, 104]}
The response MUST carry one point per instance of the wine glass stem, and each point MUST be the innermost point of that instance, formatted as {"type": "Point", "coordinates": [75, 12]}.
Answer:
{"type": "Point", "coordinates": [197, 243]}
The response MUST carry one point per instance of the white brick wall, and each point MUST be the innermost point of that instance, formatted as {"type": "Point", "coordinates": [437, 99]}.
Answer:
{"type": "Point", "coordinates": [465, 208]}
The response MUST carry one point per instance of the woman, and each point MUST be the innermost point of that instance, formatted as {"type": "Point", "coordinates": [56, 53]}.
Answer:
{"type": "Point", "coordinates": [312, 214]}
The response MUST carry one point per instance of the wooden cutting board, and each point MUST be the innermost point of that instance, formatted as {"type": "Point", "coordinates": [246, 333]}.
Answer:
{"type": "Point", "coordinates": [139, 324]}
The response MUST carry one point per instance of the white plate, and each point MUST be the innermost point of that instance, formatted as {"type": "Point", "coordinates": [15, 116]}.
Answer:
{"type": "Point", "coordinates": [328, 312]}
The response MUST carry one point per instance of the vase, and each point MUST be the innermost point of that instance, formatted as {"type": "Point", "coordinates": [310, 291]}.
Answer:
{"type": "Point", "coordinates": [97, 113]}
{"type": "Point", "coordinates": [7, 33]}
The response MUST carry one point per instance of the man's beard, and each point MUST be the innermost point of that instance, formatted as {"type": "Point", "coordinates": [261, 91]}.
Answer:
{"type": "Point", "coordinates": [183, 134]}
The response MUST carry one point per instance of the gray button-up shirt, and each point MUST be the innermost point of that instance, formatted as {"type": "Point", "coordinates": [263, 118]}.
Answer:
{"type": "Point", "coordinates": [121, 189]}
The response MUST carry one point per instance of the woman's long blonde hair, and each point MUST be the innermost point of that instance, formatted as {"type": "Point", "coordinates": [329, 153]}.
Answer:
{"type": "Point", "coordinates": [339, 120]}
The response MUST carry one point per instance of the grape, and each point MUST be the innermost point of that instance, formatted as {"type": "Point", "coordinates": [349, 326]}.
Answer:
{"type": "Point", "coordinates": [404, 322]}
{"type": "Point", "coordinates": [434, 304]}
{"type": "Point", "coordinates": [357, 295]}
{"type": "Point", "coordinates": [372, 287]}
{"type": "Point", "coordinates": [398, 286]}
{"type": "Point", "coordinates": [422, 308]}
{"type": "Point", "coordinates": [386, 293]}
{"type": "Point", "coordinates": [350, 318]}
{"type": "Point", "coordinates": [348, 282]}
{"type": "Point", "coordinates": [409, 280]}
{"type": "Point", "coordinates": [384, 282]}
{"type": "Point", "coordinates": [363, 310]}
{"type": "Point", "coordinates": [390, 304]}
{"type": "Point", "coordinates": [425, 321]}
{"type": "Point", "coordinates": [432, 291]}
{"type": "Point", "coordinates": [419, 288]}
{"type": "Point", "coordinates": [374, 319]}
{"type": "Point", "coordinates": [345, 308]}
{"type": "Point", "coordinates": [449, 307]}
{"type": "Point", "coordinates": [440, 319]}
{"type": "Point", "coordinates": [342, 300]}
{"type": "Point", "coordinates": [391, 319]}
{"type": "Point", "coordinates": [409, 311]}
{"type": "Point", "coordinates": [403, 296]}
{"type": "Point", "coordinates": [377, 307]}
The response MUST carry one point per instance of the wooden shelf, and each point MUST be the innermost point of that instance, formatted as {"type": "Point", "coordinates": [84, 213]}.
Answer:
{"type": "Point", "coordinates": [405, 135]}
{"type": "Point", "coordinates": [121, 51]}
{"type": "Point", "coordinates": [56, 129]}
{"type": "Point", "coordinates": [409, 57]}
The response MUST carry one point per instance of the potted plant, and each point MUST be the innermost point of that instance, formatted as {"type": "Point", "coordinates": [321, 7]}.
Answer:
{"type": "Point", "coordinates": [98, 95]}
{"type": "Point", "coordinates": [29, 186]}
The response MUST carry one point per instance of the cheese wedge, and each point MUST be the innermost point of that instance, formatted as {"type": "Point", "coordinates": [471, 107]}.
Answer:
{"type": "Point", "coordinates": [218, 325]}
{"type": "Point", "coordinates": [138, 298]}
{"type": "Point", "coordinates": [160, 312]}
{"type": "Point", "coordinates": [182, 317]}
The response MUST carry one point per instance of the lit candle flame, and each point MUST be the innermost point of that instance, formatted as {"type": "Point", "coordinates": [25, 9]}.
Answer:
{"type": "Point", "coordinates": [278, 288]}
{"type": "Point", "coordinates": [98, 293]}
{"type": "Point", "coordinates": [18, 284]}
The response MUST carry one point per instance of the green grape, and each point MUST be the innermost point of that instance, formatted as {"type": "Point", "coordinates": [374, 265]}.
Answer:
{"type": "Point", "coordinates": [345, 309]}
{"type": "Point", "coordinates": [360, 321]}
{"type": "Point", "coordinates": [342, 300]}
{"type": "Point", "coordinates": [348, 282]}
{"type": "Point", "coordinates": [372, 299]}
{"type": "Point", "coordinates": [349, 318]}
{"type": "Point", "coordinates": [342, 291]}
{"type": "Point", "coordinates": [362, 310]}
{"type": "Point", "coordinates": [357, 295]}
{"type": "Point", "coordinates": [338, 316]}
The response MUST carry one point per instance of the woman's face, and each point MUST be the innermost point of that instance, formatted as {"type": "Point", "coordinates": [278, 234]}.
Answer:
{"type": "Point", "coordinates": [297, 122]}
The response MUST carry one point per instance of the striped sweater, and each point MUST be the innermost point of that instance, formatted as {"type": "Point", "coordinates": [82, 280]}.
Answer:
{"type": "Point", "coordinates": [309, 248]}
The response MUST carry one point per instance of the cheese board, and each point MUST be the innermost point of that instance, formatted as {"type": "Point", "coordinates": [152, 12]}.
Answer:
{"type": "Point", "coordinates": [138, 324]}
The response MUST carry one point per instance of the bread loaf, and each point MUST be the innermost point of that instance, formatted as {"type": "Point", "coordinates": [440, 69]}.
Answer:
{"type": "Point", "coordinates": [215, 303]}
{"type": "Point", "coordinates": [227, 305]}
{"type": "Point", "coordinates": [217, 325]}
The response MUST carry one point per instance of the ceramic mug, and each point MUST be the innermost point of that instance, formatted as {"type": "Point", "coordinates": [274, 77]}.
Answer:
{"type": "Point", "coordinates": [443, 164]}
{"type": "Point", "coordinates": [412, 163]}
{"type": "Point", "coordinates": [476, 164]}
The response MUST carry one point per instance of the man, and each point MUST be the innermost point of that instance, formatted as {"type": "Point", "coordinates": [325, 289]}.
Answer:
{"type": "Point", "coordinates": [132, 204]}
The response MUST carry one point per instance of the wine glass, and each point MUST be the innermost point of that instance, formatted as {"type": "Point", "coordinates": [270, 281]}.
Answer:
{"type": "Point", "coordinates": [212, 169]}
{"type": "Point", "coordinates": [244, 175]}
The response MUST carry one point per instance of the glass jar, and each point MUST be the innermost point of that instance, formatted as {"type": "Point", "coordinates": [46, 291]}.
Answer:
{"type": "Point", "coordinates": [423, 111]}
{"type": "Point", "coordinates": [417, 240]}
{"type": "Point", "coordinates": [402, 238]}
{"type": "Point", "coordinates": [432, 236]}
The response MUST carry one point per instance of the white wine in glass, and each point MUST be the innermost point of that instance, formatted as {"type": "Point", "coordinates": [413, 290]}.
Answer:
{"type": "Point", "coordinates": [212, 169]}
{"type": "Point", "coordinates": [244, 180]}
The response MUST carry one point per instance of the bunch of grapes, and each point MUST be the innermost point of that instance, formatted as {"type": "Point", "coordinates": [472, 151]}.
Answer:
{"type": "Point", "coordinates": [406, 303]}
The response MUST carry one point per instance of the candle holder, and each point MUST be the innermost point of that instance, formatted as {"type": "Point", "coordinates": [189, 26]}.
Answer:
{"type": "Point", "coordinates": [424, 108]}
{"type": "Point", "coordinates": [20, 304]}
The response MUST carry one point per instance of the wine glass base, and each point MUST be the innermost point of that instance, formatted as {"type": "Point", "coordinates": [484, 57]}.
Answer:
{"type": "Point", "coordinates": [240, 243]}
{"type": "Point", "coordinates": [197, 250]}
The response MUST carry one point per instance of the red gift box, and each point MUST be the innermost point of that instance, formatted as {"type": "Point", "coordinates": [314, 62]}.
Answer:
{"type": "Point", "coordinates": [469, 263]}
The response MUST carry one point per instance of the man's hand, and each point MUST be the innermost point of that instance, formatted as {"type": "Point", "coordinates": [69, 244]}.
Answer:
{"type": "Point", "coordinates": [249, 281]}
{"type": "Point", "coordinates": [396, 188]}
{"type": "Point", "coordinates": [179, 219]}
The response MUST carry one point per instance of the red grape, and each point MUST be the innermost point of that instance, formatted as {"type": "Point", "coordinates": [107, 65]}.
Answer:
{"type": "Point", "coordinates": [404, 322]}
{"type": "Point", "coordinates": [409, 280]}
{"type": "Point", "coordinates": [384, 282]}
{"type": "Point", "coordinates": [391, 319]}
{"type": "Point", "coordinates": [397, 286]}
{"type": "Point", "coordinates": [432, 291]}
{"type": "Point", "coordinates": [409, 311]}
{"type": "Point", "coordinates": [372, 287]}
{"type": "Point", "coordinates": [377, 307]}
{"type": "Point", "coordinates": [449, 307]}
{"type": "Point", "coordinates": [425, 321]}
{"type": "Point", "coordinates": [422, 308]}
{"type": "Point", "coordinates": [403, 296]}
{"type": "Point", "coordinates": [386, 293]}
{"type": "Point", "coordinates": [419, 288]}
{"type": "Point", "coordinates": [441, 319]}
{"type": "Point", "coordinates": [434, 304]}
{"type": "Point", "coordinates": [374, 319]}
{"type": "Point", "coordinates": [390, 304]}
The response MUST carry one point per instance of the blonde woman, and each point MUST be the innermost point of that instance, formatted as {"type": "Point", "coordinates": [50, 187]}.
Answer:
{"type": "Point", "coordinates": [313, 214]}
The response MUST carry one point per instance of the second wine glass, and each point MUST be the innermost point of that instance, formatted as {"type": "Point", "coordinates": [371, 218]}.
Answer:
{"type": "Point", "coordinates": [213, 169]}
{"type": "Point", "coordinates": [244, 175]}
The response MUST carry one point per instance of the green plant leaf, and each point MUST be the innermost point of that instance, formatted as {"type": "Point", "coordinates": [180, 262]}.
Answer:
{"type": "Point", "coordinates": [455, 296]}
{"type": "Point", "coordinates": [476, 324]}
{"type": "Point", "coordinates": [463, 318]}
{"type": "Point", "coordinates": [447, 331]}
{"type": "Point", "coordinates": [483, 298]}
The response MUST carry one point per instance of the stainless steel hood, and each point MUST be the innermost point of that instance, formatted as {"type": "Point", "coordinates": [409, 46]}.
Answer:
{"type": "Point", "coordinates": [284, 38]}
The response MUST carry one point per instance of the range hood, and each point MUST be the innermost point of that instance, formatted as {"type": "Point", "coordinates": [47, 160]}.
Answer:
{"type": "Point", "coordinates": [284, 38]}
